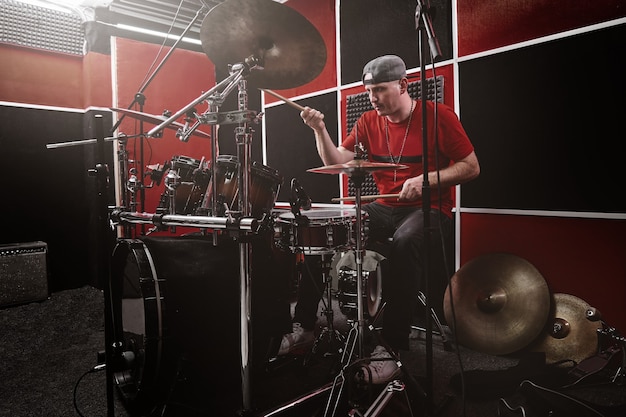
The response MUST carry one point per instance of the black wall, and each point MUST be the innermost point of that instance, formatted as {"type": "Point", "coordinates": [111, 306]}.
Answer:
{"type": "Point", "coordinates": [291, 147]}
{"type": "Point", "coordinates": [547, 123]}
{"type": "Point", "coordinates": [370, 28]}
{"type": "Point", "coordinates": [47, 193]}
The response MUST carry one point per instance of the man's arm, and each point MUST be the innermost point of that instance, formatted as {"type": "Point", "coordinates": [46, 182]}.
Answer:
{"type": "Point", "coordinates": [459, 172]}
{"type": "Point", "coordinates": [327, 150]}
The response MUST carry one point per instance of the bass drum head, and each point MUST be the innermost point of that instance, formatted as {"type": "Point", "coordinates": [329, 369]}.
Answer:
{"type": "Point", "coordinates": [147, 364]}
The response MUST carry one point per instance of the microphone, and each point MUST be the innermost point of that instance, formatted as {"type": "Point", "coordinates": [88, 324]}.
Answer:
{"type": "Point", "coordinates": [303, 199]}
{"type": "Point", "coordinates": [298, 200]}
{"type": "Point", "coordinates": [423, 12]}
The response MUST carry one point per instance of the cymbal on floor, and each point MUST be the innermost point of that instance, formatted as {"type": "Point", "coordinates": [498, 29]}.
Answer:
{"type": "Point", "coordinates": [291, 49]}
{"type": "Point", "coordinates": [568, 335]}
{"type": "Point", "coordinates": [157, 120]}
{"type": "Point", "coordinates": [501, 303]}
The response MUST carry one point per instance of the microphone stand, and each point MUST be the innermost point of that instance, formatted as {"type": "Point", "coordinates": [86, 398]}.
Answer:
{"type": "Point", "coordinates": [140, 99]}
{"type": "Point", "coordinates": [424, 27]}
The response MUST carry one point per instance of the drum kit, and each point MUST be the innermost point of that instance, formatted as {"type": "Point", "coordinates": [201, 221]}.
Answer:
{"type": "Point", "coordinates": [270, 46]}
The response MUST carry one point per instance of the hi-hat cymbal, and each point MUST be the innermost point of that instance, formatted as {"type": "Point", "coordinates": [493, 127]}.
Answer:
{"type": "Point", "coordinates": [291, 49]}
{"type": "Point", "coordinates": [568, 335]}
{"type": "Point", "coordinates": [157, 120]}
{"type": "Point", "coordinates": [355, 165]}
{"type": "Point", "coordinates": [501, 303]}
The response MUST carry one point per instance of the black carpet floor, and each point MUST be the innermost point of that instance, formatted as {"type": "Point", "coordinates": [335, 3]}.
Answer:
{"type": "Point", "coordinates": [48, 351]}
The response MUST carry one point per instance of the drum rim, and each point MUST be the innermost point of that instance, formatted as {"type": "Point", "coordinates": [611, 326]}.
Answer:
{"type": "Point", "coordinates": [347, 213]}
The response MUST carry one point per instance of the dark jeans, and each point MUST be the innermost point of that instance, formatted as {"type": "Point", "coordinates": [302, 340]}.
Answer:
{"type": "Point", "coordinates": [310, 291]}
{"type": "Point", "coordinates": [405, 275]}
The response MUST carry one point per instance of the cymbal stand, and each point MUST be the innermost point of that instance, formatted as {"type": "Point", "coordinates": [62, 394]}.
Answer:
{"type": "Point", "coordinates": [243, 135]}
{"type": "Point", "coordinates": [355, 336]}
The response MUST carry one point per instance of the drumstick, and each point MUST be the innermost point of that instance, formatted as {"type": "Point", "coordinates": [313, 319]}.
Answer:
{"type": "Point", "coordinates": [285, 99]}
{"type": "Point", "coordinates": [365, 197]}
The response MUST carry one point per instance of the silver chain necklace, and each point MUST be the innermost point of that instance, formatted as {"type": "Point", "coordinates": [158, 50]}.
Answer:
{"type": "Point", "coordinates": [406, 135]}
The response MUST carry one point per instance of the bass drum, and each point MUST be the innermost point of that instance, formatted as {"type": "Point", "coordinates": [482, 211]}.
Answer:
{"type": "Point", "coordinates": [140, 303]}
{"type": "Point", "coordinates": [176, 306]}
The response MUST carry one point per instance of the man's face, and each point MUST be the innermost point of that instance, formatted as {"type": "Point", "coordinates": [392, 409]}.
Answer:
{"type": "Point", "coordinates": [385, 97]}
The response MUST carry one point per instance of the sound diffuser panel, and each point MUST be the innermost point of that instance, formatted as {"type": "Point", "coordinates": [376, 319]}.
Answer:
{"type": "Point", "coordinates": [40, 27]}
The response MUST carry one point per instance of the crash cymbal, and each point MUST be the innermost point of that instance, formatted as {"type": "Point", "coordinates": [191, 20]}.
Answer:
{"type": "Point", "coordinates": [291, 49]}
{"type": "Point", "coordinates": [568, 335]}
{"type": "Point", "coordinates": [355, 165]}
{"type": "Point", "coordinates": [501, 303]}
{"type": "Point", "coordinates": [157, 120]}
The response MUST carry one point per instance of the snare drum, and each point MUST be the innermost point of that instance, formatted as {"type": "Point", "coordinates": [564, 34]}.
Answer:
{"type": "Point", "coordinates": [265, 184]}
{"type": "Point", "coordinates": [318, 231]}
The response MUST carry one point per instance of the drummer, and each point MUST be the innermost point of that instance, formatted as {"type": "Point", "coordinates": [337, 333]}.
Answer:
{"type": "Point", "coordinates": [392, 133]}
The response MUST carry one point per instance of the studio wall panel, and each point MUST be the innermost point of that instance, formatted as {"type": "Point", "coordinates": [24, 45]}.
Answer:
{"type": "Point", "coordinates": [291, 147]}
{"type": "Point", "coordinates": [49, 190]}
{"type": "Point", "coordinates": [547, 125]}
{"type": "Point", "coordinates": [485, 25]}
{"type": "Point", "coordinates": [40, 77]}
{"type": "Point", "coordinates": [582, 257]}
{"type": "Point", "coordinates": [370, 28]}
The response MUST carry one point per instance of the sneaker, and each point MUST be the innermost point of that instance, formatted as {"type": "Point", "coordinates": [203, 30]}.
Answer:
{"type": "Point", "coordinates": [298, 339]}
{"type": "Point", "coordinates": [381, 369]}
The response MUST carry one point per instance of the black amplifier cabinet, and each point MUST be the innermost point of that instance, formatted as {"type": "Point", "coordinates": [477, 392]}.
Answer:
{"type": "Point", "coordinates": [23, 273]}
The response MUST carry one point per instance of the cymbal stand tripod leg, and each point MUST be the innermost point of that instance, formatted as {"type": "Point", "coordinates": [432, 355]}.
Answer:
{"type": "Point", "coordinates": [338, 382]}
{"type": "Point", "coordinates": [447, 344]}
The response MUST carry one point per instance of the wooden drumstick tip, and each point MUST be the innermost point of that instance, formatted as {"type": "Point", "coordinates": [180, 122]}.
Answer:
{"type": "Point", "coordinates": [285, 99]}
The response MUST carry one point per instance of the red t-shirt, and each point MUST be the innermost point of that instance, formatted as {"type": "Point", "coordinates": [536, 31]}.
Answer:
{"type": "Point", "coordinates": [453, 146]}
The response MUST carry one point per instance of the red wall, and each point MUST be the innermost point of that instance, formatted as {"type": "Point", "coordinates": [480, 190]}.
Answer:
{"type": "Point", "coordinates": [581, 257]}
{"type": "Point", "coordinates": [53, 79]}
{"type": "Point", "coordinates": [39, 77]}
{"type": "Point", "coordinates": [485, 25]}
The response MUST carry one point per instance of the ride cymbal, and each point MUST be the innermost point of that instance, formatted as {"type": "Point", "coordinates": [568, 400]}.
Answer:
{"type": "Point", "coordinates": [355, 165]}
{"type": "Point", "coordinates": [291, 50]}
{"type": "Point", "coordinates": [501, 303]}
{"type": "Point", "coordinates": [157, 120]}
{"type": "Point", "coordinates": [569, 334]}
